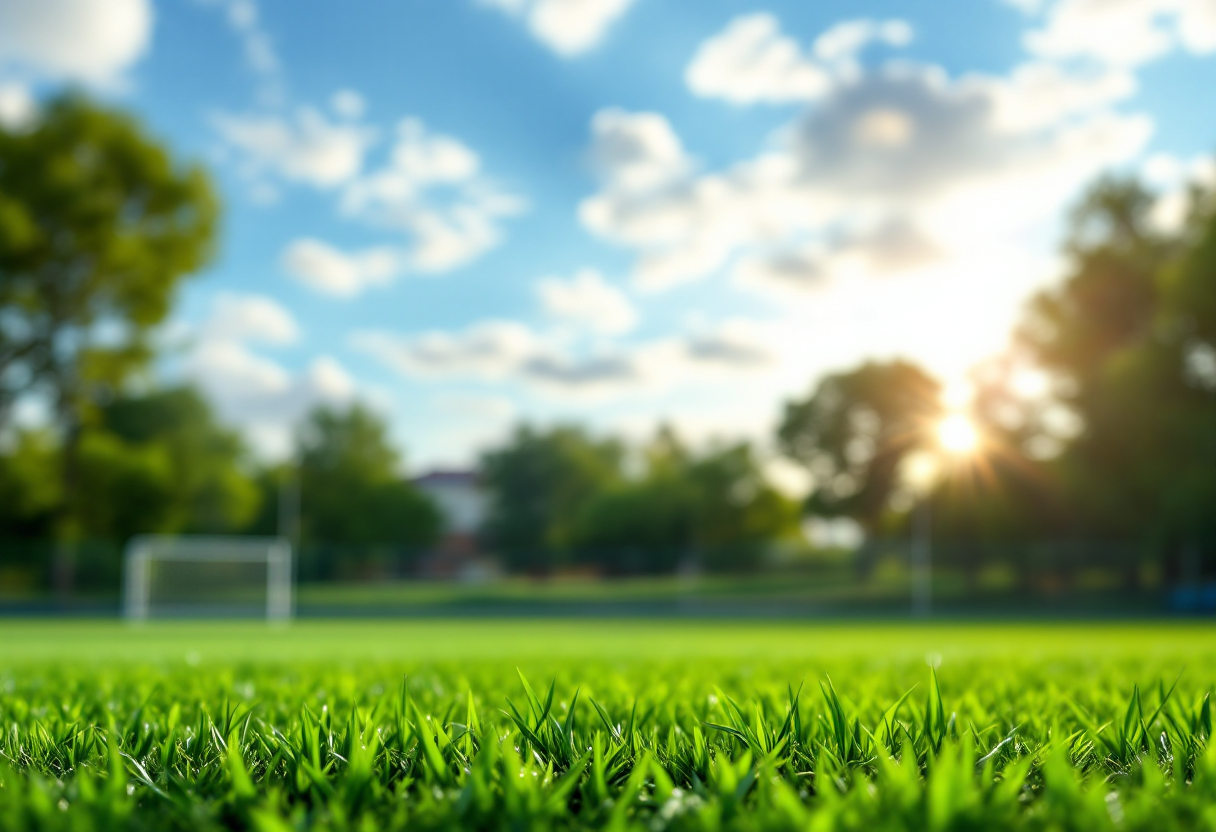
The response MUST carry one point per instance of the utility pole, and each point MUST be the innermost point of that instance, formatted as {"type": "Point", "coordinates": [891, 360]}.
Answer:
{"type": "Point", "coordinates": [289, 504]}
{"type": "Point", "coordinates": [922, 558]}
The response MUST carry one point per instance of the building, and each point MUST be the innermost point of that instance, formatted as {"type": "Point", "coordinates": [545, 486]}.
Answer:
{"type": "Point", "coordinates": [463, 504]}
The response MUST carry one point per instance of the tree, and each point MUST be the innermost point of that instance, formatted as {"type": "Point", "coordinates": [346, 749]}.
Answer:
{"type": "Point", "coordinates": [210, 488]}
{"type": "Point", "coordinates": [738, 513]}
{"type": "Point", "coordinates": [642, 523]}
{"type": "Point", "coordinates": [1130, 337]}
{"type": "Point", "coordinates": [853, 434]}
{"type": "Point", "coordinates": [150, 463]}
{"type": "Point", "coordinates": [28, 497]}
{"type": "Point", "coordinates": [715, 509]}
{"type": "Point", "coordinates": [98, 225]}
{"type": "Point", "coordinates": [352, 490]}
{"type": "Point", "coordinates": [538, 483]}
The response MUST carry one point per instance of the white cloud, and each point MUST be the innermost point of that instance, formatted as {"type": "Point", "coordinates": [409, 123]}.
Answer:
{"type": "Point", "coordinates": [250, 390]}
{"type": "Point", "coordinates": [1040, 94]}
{"type": "Point", "coordinates": [588, 300]}
{"type": "Point", "coordinates": [487, 350]}
{"type": "Point", "coordinates": [306, 148]}
{"type": "Point", "coordinates": [433, 190]}
{"type": "Point", "coordinates": [348, 104]}
{"type": "Point", "coordinates": [890, 172]}
{"type": "Point", "coordinates": [893, 246]}
{"type": "Point", "coordinates": [509, 352]}
{"type": "Point", "coordinates": [244, 19]}
{"type": "Point", "coordinates": [1176, 180]}
{"type": "Point", "coordinates": [733, 344]}
{"type": "Point", "coordinates": [244, 318]}
{"type": "Point", "coordinates": [568, 27]}
{"type": "Point", "coordinates": [636, 151]}
{"type": "Point", "coordinates": [752, 61]}
{"type": "Point", "coordinates": [1125, 32]}
{"type": "Point", "coordinates": [331, 271]}
{"type": "Point", "coordinates": [85, 40]}
{"type": "Point", "coordinates": [17, 107]}
{"type": "Point", "coordinates": [842, 43]}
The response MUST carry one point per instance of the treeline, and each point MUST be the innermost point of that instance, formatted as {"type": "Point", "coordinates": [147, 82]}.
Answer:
{"type": "Point", "coordinates": [160, 463]}
{"type": "Point", "coordinates": [1108, 454]}
{"type": "Point", "coordinates": [1097, 426]}
{"type": "Point", "coordinates": [563, 498]}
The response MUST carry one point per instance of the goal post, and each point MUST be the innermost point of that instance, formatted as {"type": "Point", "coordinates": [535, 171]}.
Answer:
{"type": "Point", "coordinates": [166, 575]}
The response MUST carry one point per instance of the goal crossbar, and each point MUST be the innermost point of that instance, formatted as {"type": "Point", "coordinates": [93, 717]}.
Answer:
{"type": "Point", "coordinates": [144, 550]}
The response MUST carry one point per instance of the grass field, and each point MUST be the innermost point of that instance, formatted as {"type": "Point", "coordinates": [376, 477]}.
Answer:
{"type": "Point", "coordinates": [619, 725]}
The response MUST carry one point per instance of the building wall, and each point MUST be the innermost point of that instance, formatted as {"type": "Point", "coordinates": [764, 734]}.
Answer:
{"type": "Point", "coordinates": [462, 504]}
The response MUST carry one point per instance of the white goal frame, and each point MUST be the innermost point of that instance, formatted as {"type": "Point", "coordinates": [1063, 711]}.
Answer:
{"type": "Point", "coordinates": [142, 551]}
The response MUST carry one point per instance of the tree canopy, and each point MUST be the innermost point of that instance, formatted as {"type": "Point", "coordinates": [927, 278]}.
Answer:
{"type": "Point", "coordinates": [98, 225]}
{"type": "Point", "coordinates": [352, 486]}
{"type": "Point", "coordinates": [854, 432]}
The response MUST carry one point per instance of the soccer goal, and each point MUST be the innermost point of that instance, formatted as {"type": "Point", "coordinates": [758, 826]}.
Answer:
{"type": "Point", "coordinates": [197, 577]}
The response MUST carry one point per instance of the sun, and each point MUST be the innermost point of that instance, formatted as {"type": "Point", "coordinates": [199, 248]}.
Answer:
{"type": "Point", "coordinates": [957, 434]}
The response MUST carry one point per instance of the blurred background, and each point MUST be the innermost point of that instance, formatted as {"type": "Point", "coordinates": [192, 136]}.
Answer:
{"type": "Point", "coordinates": [613, 306]}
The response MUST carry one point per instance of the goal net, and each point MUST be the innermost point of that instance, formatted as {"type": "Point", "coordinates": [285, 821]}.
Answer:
{"type": "Point", "coordinates": [207, 577]}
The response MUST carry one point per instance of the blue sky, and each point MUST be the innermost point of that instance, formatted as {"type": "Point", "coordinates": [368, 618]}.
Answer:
{"type": "Point", "coordinates": [470, 213]}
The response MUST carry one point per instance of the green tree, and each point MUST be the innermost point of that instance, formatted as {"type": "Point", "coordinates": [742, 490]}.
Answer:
{"type": "Point", "coordinates": [149, 463]}
{"type": "Point", "coordinates": [739, 514]}
{"type": "Point", "coordinates": [853, 434]}
{"type": "Point", "coordinates": [211, 488]}
{"type": "Point", "coordinates": [642, 523]}
{"type": "Point", "coordinates": [98, 225]}
{"type": "Point", "coordinates": [1130, 337]}
{"type": "Point", "coordinates": [538, 483]}
{"type": "Point", "coordinates": [29, 498]}
{"type": "Point", "coordinates": [715, 509]}
{"type": "Point", "coordinates": [352, 489]}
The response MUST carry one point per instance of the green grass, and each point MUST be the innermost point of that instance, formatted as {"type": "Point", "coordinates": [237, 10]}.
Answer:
{"type": "Point", "coordinates": [606, 725]}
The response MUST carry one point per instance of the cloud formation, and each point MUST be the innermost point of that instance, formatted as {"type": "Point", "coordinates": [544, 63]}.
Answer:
{"type": "Point", "coordinates": [509, 352]}
{"type": "Point", "coordinates": [488, 350]}
{"type": "Point", "coordinates": [568, 27]}
{"type": "Point", "coordinates": [306, 147]}
{"type": "Point", "coordinates": [250, 389]}
{"type": "Point", "coordinates": [432, 189]}
{"type": "Point", "coordinates": [17, 106]}
{"type": "Point", "coordinates": [250, 319]}
{"type": "Point", "coordinates": [244, 19]}
{"type": "Point", "coordinates": [589, 301]}
{"type": "Point", "coordinates": [752, 61]}
{"type": "Point", "coordinates": [888, 170]}
{"type": "Point", "coordinates": [330, 271]}
{"type": "Point", "coordinates": [80, 40]}
{"type": "Point", "coordinates": [1125, 33]}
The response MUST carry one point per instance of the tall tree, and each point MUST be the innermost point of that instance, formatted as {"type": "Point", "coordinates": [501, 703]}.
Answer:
{"type": "Point", "coordinates": [854, 432]}
{"type": "Point", "coordinates": [150, 463]}
{"type": "Point", "coordinates": [352, 489]}
{"type": "Point", "coordinates": [538, 483]}
{"type": "Point", "coordinates": [98, 225]}
{"type": "Point", "coordinates": [714, 509]}
{"type": "Point", "coordinates": [1130, 337]}
{"type": "Point", "coordinates": [211, 488]}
